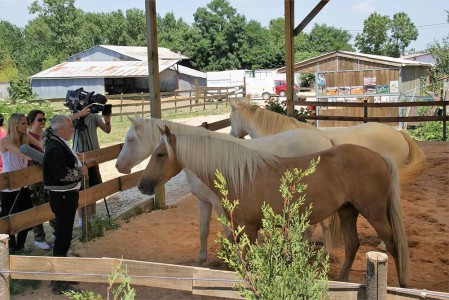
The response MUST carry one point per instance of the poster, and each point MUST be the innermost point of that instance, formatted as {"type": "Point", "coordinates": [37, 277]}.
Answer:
{"type": "Point", "coordinates": [383, 89]}
{"type": "Point", "coordinates": [321, 78]}
{"type": "Point", "coordinates": [321, 89]}
{"type": "Point", "coordinates": [369, 80]}
{"type": "Point", "coordinates": [369, 89]}
{"type": "Point", "coordinates": [357, 90]}
{"type": "Point", "coordinates": [344, 90]}
{"type": "Point", "coordinates": [394, 86]}
{"type": "Point", "coordinates": [332, 91]}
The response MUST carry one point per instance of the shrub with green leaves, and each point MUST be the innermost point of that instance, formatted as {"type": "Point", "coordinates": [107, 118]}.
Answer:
{"type": "Point", "coordinates": [7, 108]}
{"type": "Point", "coordinates": [119, 287]}
{"type": "Point", "coordinates": [280, 107]}
{"type": "Point", "coordinates": [281, 265]}
{"type": "Point", "coordinates": [427, 131]}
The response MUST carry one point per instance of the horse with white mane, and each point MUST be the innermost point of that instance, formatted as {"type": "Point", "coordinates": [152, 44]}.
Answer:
{"type": "Point", "coordinates": [349, 179]}
{"type": "Point", "coordinates": [257, 122]}
{"type": "Point", "coordinates": [144, 135]}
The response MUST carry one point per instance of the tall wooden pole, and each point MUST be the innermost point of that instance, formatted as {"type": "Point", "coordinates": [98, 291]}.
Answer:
{"type": "Point", "coordinates": [153, 77]}
{"type": "Point", "coordinates": [289, 6]}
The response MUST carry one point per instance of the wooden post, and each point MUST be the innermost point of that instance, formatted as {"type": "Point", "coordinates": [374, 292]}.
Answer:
{"type": "Point", "coordinates": [143, 104]}
{"type": "Point", "coordinates": [289, 7]}
{"type": "Point", "coordinates": [197, 91]}
{"type": "Point", "coordinates": [444, 124]}
{"type": "Point", "coordinates": [121, 107]}
{"type": "Point", "coordinates": [365, 110]}
{"type": "Point", "coordinates": [376, 275]}
{"type": "Point", "coordinates": [153, 74]}
{"type": "Point", "coordinates": [4, 266]}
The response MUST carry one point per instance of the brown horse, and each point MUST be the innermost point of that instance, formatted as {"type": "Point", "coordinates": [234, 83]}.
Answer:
{"type": "Point", "coordinates": [349, 179]}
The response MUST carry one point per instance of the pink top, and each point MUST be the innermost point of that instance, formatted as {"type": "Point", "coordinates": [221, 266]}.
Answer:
{"type": "Point", "coordinates": [2, 135]}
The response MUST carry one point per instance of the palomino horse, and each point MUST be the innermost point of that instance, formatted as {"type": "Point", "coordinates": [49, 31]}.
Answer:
{"type": "Point", "coordinates": [349, 179]}
{"type": "Point", "coordinates": [256, 122]}
{"type": "Point", "coordinates": [144, 135]}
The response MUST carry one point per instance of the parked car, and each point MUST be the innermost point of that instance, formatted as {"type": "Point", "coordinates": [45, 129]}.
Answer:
{"type": "Point", "coordinates": [280, 88]}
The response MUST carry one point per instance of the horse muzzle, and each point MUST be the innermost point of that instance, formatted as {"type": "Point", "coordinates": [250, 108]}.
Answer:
{"type": "Point", "coordinates": [146, 188]}
{"type": "Point", "coordinates": [123, 169]}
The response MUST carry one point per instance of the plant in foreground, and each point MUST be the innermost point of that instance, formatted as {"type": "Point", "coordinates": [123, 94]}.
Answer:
{"type": "Point", "coordinates": [281, 265]}
{"type": "Point", "coordinates": [122, 291]}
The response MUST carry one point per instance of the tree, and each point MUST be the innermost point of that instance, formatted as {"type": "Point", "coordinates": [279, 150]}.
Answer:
{"type": "Point", "coordinates": [374, 36]}
{"type": "Point", "coordinates": [222, 32]}
{"type": "Point", "coordinates": [384, 36]}
{"type": "Point", "coordinates": [323, 39]}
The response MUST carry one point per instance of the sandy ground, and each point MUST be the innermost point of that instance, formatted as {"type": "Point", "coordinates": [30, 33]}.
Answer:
{"type": "Point", "coordinates": [172, 236]}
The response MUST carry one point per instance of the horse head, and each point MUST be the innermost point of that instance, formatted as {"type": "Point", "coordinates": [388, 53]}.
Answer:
{"type": "Point", "coordinates": [134, 149]}
{"type": "Point", "coordinates": [237, 123]}
{"type": "Point", "coordinates": [162, 166]}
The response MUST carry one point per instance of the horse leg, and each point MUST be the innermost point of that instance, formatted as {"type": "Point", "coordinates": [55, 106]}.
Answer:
{"type": "Point", "coordinates": [205, 214]}
{"type": "Point", "coordinates": [385, 232]}
{"type": "Point", "coordinates": [348, 219]}
{"type": "Point", "coordinates": [327, 241]}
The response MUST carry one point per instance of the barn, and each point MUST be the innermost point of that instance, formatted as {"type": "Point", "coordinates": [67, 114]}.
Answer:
{"type": "Point", "coordinates": [109, 70]}
{"type": "Point", "coordinates": [342, 76]}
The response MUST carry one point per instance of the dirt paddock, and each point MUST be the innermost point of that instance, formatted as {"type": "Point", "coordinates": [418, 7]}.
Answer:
{"type": "Point", "coordinates": [171, 236]}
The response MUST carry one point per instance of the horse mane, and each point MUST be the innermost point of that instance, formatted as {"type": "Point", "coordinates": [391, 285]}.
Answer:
{"type": "Point", "coordinates": [269, 122]}
{"type": "Point", "coordinates": [210, 151]}
{"type": "Point", "coordinates": [152, 135]}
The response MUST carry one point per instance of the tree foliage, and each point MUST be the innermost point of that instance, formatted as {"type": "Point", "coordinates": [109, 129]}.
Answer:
{"type": "Point", "coordinates": [384, 36]}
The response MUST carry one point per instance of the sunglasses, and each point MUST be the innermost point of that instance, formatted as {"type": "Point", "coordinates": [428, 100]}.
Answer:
{"type": "Point", "coordinates": [42, 119]}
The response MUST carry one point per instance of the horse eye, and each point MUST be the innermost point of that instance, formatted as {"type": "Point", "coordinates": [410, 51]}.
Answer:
{"type": "Point", "coordinates": [161, 154]}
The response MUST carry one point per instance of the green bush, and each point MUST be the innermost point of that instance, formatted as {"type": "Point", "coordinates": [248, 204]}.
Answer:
{"type": "Point", "coordinates": [427, 131]}
{"type": "Point", "coordinates": [278, 106]}
{"type": "Point", "coordinates": [282, 265]}
{"type": "Point", "coordinates": [7, 108]}
{"type": "Point", "coordinates": [20, 89]}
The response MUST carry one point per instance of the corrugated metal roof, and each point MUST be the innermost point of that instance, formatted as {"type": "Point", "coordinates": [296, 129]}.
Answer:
{"type": "Point", "coordinates": [140, 53]}
{"type": "Point", "coordinates": [397, 62]}
{"type": "Point", "coordinates": [191, 72]}
{"type": "Point", "coordinates": [102, 69]}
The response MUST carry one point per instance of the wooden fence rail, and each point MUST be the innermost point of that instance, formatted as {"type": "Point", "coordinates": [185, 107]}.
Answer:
{"type": "Point", "coordinates": [198, 281]}
{"type": "Point", "coordinates": [366, 118]}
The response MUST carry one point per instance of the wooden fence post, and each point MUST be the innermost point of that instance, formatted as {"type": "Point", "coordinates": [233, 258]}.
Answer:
{"type": "Point", "coordinates": [444, 124]}
{"type": "Point", "coordinates": [197, 91]}
{"type": "Point", "coordinates": [4, 266]}
{"type": "Point", "coordinates": [376, 275]}
{"type": "Point", "coordinates": [143, 105]}
{"type": "Point", "coordinates": [365, 110]}
{"type": "Point", "coordinates": [121, 107]}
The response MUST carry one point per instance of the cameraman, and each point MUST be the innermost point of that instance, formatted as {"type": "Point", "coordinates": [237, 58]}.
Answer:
{"type": "Point", "coordinates": [86, 139]}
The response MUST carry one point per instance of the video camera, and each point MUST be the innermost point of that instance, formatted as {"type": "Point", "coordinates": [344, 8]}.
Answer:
{"type": "Point", "coordinates": [78, 99]}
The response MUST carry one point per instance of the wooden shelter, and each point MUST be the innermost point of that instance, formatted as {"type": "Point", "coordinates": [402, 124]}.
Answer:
{"type": "Point", "coordinates": [356, 77]}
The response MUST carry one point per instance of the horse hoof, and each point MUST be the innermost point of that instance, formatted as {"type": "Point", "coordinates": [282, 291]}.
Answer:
{"type": "Point", "coordinates": [199, 262]}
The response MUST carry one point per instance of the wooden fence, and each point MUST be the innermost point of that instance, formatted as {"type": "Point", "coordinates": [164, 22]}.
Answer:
{"type": "Point", "coordinates": [198, 281]}
{"type": "Point", "coordinates": [200, 97]}
{"type": "Point", "coordinates": [367, 108]}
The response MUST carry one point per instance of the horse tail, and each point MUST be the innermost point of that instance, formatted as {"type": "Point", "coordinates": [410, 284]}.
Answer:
{"type": "Point", "coordinates": [335, 229]}
{"type": "Point", "coordinates": [416, 161]}
{"type": "Point", "coordinates": [396, 222]}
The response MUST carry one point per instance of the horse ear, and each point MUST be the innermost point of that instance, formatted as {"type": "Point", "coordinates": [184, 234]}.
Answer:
{"type": "Point", "coordinates": [161, 130]}
{"type": "Point", "coordinates": [136, 122]}
{"type": "Point", "coordinates": [167, 131]}
{"type": "Point", "coordinates": [233, 105]}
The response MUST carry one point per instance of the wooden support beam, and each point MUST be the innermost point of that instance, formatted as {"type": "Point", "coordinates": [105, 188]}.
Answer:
{"type": "Point", "coordinates": [153, 72]}
{"type": "Point", "coordinates": [310, 17]}
{"type": "Point", "coordinates": [289, 53]}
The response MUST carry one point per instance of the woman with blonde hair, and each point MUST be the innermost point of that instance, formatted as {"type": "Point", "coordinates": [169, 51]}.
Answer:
{"type": "Point", "coordinates": [15, 200]}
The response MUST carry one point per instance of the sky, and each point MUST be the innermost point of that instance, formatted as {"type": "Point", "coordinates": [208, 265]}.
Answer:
{"type": "Point", "coordinates": [429, 16]}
